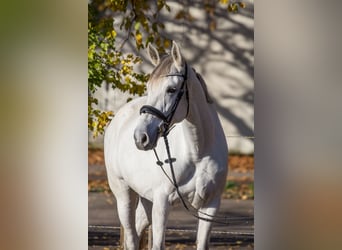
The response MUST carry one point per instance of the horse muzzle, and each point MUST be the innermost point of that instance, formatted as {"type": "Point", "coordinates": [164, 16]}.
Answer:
{"type": "Point", "coordinates": [144, 141]}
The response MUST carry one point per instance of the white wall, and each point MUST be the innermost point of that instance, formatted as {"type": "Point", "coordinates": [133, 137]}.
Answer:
{"type": "Point", "coordinates": [224, 57]}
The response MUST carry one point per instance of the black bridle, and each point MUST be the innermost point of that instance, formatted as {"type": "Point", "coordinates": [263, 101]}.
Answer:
{"type": "Point", "coordinates": [167, 118]}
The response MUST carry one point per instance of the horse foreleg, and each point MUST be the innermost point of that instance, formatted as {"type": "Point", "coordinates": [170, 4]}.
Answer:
{"type": "Point", "coordinates": [204, 227]}
{"type": "Point", "coordinates": [143, 216]}
{"type": "Point", "coordinates": [160, 212]}
{"type": "Point", "coordinates": [126, 203]}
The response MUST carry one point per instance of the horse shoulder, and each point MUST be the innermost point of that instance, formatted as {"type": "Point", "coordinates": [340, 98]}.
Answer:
{"type": "Point", "coordinates": [124, 116]}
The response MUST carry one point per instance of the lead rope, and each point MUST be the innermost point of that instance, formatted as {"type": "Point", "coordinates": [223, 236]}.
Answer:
{"type": "Point", "coordinates": [174, 183]}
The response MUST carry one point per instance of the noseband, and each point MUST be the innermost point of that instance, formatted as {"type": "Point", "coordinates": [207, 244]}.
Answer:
{"type": "Point", "coordinates": [168, 118]}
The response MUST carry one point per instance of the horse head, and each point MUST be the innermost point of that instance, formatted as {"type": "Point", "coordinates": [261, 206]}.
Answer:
{"type": "Point", "coordinates": [167, 97]}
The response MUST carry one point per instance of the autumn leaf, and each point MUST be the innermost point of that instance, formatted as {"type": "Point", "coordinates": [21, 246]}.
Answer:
{"type": "Point", "coordinates": [242, 5]}
{"type": "Point", "coordinates": [138, 38]}
{"type": "Point", "coordinates": [167, 43]}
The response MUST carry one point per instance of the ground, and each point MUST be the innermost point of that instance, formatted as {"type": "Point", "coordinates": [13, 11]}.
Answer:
{"type": "Point", "coordinates": [237, 205]}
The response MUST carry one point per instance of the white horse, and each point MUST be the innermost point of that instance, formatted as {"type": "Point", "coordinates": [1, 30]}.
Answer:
{"type": "Point", "coordinates": [197, 144]}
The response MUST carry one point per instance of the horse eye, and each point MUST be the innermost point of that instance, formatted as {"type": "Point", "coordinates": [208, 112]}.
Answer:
{"type": "Point", "coordinates": [171, 90]}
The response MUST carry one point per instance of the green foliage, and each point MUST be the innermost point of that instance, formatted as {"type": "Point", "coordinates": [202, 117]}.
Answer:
{"type": "Point", "coordinates": [107, 64]}
{"type": "Point", "coordinates": [239, 190]}
{"type": "Point", "coordinates": [106, 61]}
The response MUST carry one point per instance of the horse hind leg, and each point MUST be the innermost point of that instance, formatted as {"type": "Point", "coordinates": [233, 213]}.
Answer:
{"type": "Point", "coordinates": [126, 203]}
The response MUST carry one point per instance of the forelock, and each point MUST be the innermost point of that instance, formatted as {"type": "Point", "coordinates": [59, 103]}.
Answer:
{"type": "Point", "coordinates": [162, 69]}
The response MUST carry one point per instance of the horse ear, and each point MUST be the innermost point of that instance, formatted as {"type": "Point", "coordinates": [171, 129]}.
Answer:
{"type": "Point", "coordinates": [153, 54]}
{"type": "Point", "coordinates": [176, 56]}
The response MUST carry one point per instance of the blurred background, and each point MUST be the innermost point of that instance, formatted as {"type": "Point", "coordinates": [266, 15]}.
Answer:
{"type": "Point", "coordinates": [44, 136]}
{"type": "Point", "coordinates": [217, 39]}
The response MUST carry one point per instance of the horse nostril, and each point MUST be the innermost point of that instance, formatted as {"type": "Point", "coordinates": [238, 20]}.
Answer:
{"type": "Point", "coordinates": [144, 139]}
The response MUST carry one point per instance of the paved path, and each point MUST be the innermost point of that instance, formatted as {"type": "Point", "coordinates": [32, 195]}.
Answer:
{"type": "Point", "coordinates": [237, 235]}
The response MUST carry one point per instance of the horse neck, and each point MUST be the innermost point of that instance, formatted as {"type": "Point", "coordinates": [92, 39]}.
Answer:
{"type": "Point", "coordinates": [199, 124]}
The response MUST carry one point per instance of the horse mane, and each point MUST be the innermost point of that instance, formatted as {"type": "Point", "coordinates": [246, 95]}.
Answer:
{"type": "Point", "coordinates": [204, 87]}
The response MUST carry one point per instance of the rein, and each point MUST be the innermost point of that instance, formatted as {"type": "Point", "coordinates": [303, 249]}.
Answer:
{"type": "Point", "coordinates": [166, 123]}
